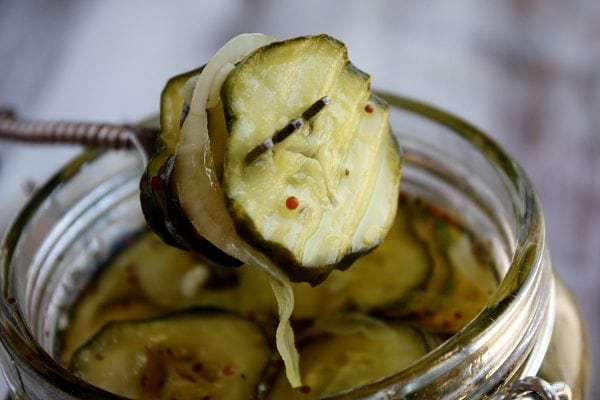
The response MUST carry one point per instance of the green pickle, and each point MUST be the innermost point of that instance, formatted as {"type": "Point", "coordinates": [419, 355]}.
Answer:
{"type": "Point", "coordinates": [275, 150]}
{"type": "Point", "coordinates": [159, 322]}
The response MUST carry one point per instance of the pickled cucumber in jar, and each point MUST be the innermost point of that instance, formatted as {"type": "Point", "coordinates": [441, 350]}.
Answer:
{"type": "Point", "coordinates": [282, 261]}
{"type": "Point", "coordinates": [198, 328]}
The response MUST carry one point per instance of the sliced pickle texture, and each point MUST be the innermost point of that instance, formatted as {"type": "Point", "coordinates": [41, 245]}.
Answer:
{"type": "Point", "coordinates": [114, 294]}
{"type": "Point", "coordinates": [327, 191]}
{"type": "Point", "coordinates": [391, 274]}
{"type": "Point", "coordinates": [197, 354]}
{"type": "Point", "coordinates": [173, 109]}
{"type": "Point", "coordinates": [278, 149]}
{"type": "Point", "coordinates": [345, 352]}
{"type": "Point", "coordinates": [428, 279]}
{"type": "Point", "coordinates": [461, 280]}
{"type": "Point", "coordinates": [276, 155]}
{"type": "Point", "coordinates": [147, 280]}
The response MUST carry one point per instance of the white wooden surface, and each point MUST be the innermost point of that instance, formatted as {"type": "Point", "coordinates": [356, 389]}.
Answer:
{"type": "Point", "coordinates": [527, 72]}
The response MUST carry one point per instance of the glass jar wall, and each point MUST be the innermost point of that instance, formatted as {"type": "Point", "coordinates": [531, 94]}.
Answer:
{"type": "Point", "coordinates": [530, 326]}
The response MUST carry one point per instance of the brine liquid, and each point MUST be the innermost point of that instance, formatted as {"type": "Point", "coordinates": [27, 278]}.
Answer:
{"type": "Point", "coordinates": [430, 274]}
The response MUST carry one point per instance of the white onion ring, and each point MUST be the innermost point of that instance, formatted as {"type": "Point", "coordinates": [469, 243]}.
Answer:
{"type": "Point", "coordinates": [201, 195]}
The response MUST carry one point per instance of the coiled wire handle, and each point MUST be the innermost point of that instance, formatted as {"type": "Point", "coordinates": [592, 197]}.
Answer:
{"type": "Point", "coordinates": [85, 133]}
{"type": "Point", "coordinates": [534, 388]}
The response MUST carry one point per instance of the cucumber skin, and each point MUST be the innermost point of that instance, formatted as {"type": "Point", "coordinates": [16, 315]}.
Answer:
{"type": "Point", "coordinates": [180, 226]}
{"type": "Point", "coordinates": [160, 205]}
{"type": "Point", "coordinates": [165, 215]}
{"type": "Point", "coordinates": [244, 224]}
{"type": "Point", "coordinates": [268, 370]}
{"type": "Point", "coordinates": [151, 208]}
{"type": "Point", "coordinates": [171, 105]}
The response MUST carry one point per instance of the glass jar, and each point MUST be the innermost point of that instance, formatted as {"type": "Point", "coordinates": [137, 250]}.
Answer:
{"type": "Point", "coordinates": [531, 325]}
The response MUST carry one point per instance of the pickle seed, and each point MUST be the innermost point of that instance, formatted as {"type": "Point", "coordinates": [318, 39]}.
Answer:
{"type": "Point", "coordinates": [292, 203]}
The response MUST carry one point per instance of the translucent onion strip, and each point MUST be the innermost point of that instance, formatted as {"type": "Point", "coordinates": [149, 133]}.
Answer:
{"type": "Point", "coordinates": [201, 195]}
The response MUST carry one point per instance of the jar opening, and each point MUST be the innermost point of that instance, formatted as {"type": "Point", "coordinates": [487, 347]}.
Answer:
{"type": "Point", "coordinates": [448, 161]}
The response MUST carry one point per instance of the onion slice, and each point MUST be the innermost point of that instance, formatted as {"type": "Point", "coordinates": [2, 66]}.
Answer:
{"type": "Point", "coordinates": [201, 195]}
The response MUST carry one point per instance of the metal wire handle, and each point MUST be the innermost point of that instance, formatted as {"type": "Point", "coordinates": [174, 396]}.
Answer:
{"type": "Point", "coordinates": [534, 388]}
{"type": "Point", "coordinates": [85, 133]}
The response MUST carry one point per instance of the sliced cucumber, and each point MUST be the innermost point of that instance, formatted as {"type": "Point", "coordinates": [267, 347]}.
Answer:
{"type": "Point", "coordinates": [429, 272]}
{"type": "Point", "coordinates": [391, 272]}
{"type": "Point", "coordinates": [389, 275]}
{"type": "Point", "coordinates": [461, 281]}
{"type": "Point", "coordinates": [175, 279]}
{"type": "Point", "coordinates": [153, 198]}
{"type": "Point", "coordinates": [188, 355]}
{"type": "Point", "coordinates": [147, 279]}
{"type": "Point", "coordinates": [91, 317]}
{"type": "Point", "coordinates": [332, 195]}
{"type": "Point", "coordinates": [326, 193]}
{"type": "Point", "coordinates": [172, 109]}
{"type": "Point", "coordinates": [158, 195]}
{"type": "Point", "coordinates": [178, 224]}
{"type": "Point", "coordinates": [320, 197]}
{"type": "Point", "coordinates": [113, 294]}
{"type": "Point", "coordinates": [347, 351]}
{"type": "Point", "coordinates": [473, 284]}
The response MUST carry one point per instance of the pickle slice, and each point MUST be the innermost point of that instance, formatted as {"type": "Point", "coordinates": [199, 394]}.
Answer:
{"type": "Point", "coordinates": [288, 136]}
{"type": "Point", "coordinates": [197, 354]}
{"type": "Point", "coordinates": [323, 193]}
{"type": "Point", "coordinates": [461, 280]}
{"type": "Point", "coordinates": [391, 276]}
{"type": "Point", "coordinates": [173, 109]}
{"type": "Point", "coordinates": [326, 193]}
{"type": "Point", "coordinates": [145, 279]}
{"type": "Point", "coordinates": [347, 351]}
{"type": "Point", "coordinates": [159, 197]}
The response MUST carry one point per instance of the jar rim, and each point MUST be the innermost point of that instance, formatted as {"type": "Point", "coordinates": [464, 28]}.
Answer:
{"type": "Point", "coordinates": [524, 266]}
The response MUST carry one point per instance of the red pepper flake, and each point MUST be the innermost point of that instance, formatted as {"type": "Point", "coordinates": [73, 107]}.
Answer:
{"type": "Point", "coordinates": [277, 363]}
{"type": "Point", "coordinates": [305, 389]}
{"type": "Point", "coordinates": [252, 316]}
{"type": "Point", "coordinates": [228, 370]}
{"type": "Point", "coordinates": [207, 397]}
{"type": "Point", "coordinates": [131, 273]}
{"type": "Point", "coordinates": [157, 183]}
{"type": "Point", "coordinates": [458, 315]}
{"type": "Point", "coordinates": [99, 357]}
{"type": "Point", "coordinates": [369, 108]}
{"type": "Point", "coordinates": [197, 367]}
{"type": "Point", "coordinates": [292, 203]}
